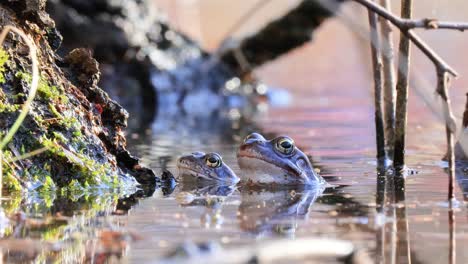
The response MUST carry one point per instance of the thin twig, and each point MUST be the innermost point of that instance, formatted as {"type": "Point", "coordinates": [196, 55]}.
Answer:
{"type": "Point", "coordinates": [401, 23]}
{"type": "Point", "coordinates": [389, 79]}
{"type": "Point", "coordinates": [378, 85]}
{"type": "Point", "coordinates": [429, 23]}
{"type": "Point", "coordinates": [407, 23]}
{"type": "Point", "coordinates": [402, 91]}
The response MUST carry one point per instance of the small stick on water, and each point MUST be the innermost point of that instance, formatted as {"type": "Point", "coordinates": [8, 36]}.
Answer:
{"type": "Point", "coordinates": [402, 91]}
{"type": "Point", "coordinates": [450, 128]}
{"type": "Point", "coordinates": [378, 73]}
{"type": "Point", "coordinates": [389, 79]}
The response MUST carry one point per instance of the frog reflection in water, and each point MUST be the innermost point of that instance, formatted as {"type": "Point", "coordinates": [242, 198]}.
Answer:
{"type": "Point", "coordinates": [277, 211]}
{"type": "Point", "coordinates": [276, 161]}
{"type": "Point", "coordinates": [199, 166]}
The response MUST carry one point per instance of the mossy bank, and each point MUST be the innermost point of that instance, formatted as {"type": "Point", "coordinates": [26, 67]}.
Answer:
{"type": "Point", "coordinates": [74, 130]}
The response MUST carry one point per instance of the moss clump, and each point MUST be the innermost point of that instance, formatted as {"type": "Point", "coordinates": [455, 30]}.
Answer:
{"type": "Point", "coordinates": [12, 205]}
{"type": "Point", "coordinates": [74, 189]}
{"type": "Point", "coordinates": [88, 171]}
{"type": "Point", "coordinates": [3, 59]}
{"type": "Point", "coordinates": [10, 181]}
{"type": "Point", "coordinates": [59, 136]}
{"type": "Point", "coordinates": [48, 185]}
{"type": "Point", "coordinates": [44, 90]}
{"type": "Point", "coordinates": [9, 108]}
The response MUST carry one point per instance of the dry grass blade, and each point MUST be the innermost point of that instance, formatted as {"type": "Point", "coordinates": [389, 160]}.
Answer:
{"type": "Point", "coordinates": [30, 154]}
{"type": "Point", "coordinates": [32, 91]}
{"type": "Point", "coordinates": [34, 83]}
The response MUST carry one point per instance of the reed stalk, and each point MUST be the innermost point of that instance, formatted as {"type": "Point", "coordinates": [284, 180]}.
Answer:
{"type": "Point", "coordinates": [402, 91]}
{"type": "Point", "coordinates": [389, 79]}
{"type": "Point", "coordinates": [450, 128]}
{"type": "Point", "coordinates": [378, 86]}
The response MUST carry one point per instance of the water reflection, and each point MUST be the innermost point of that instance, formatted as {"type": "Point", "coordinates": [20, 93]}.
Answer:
{"type": "Point", "coordinates": [266, 212]}
{"type": "Point", "coordinates": [65, 230]}
{"type": "Point", "coordinates": [209, 196]}
{"type": "Point", "coordinates": [392, 235]}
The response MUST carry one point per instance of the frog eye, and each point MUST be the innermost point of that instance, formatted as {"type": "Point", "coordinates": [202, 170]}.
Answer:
{"type": "Point", "coordinates": [285, 145]}
{"type": "Point", "coordinates": [248, 137]}
{"type": "Point", "coordinates": [253, 136]}
{"type": "Point", "coordinates": [213, 161]}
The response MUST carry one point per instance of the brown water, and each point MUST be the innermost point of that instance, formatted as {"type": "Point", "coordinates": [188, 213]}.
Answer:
{"type": "Point", "coordinates": [331, 118]}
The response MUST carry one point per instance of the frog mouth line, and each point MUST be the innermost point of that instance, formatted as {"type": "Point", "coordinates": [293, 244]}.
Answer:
{"type": "Point", "coordinates": [245, 154]}
{"type": "Point", "coordinates": [201, 175]}
{"type": "Point", "coordinates": [193, 172]}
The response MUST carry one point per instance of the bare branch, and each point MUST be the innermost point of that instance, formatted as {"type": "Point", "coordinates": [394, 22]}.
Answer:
{"type": "Point", "coordinates": [429, 23]}
{"type": "Point", "coordinates": [402, 24]}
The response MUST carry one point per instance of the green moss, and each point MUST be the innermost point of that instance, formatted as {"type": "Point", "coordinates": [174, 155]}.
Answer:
{"type": "Point", "coordinates": [38, 119]}
{"type": "Point", "coordinates": [12, 204]}
{"type": "Point", "coordinates": [44, 90]}
{"type": "Point", "coordinates": [59, 136]}
{"type": "Point", "coordinates": [88, 171]}
{"type": "Point", "coordinates": [75, 188]}
{"type": "Point", "coordinates": [70, 122]}
{"type": "Point", "coordinates": [54, 111]}
{"type": "Point", "coordinates": [3, 59]}
{"type": "Point", "coordinates": [10, 181]}
{"type": "Point", "coordinates": [9, 108]}
{"type": "Point", "coordinates": [67, 121]}
{"type": "Point", "coordinates": [77, 134]}
{"type": "Point", "coordinates": [54, 148]}
{"type": "Point", "coordinates": [48, 185]}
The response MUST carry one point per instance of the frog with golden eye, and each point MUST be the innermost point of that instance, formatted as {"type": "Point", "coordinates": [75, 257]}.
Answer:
{"type": "Point", "coordinates": [210, 167]}
{"type": "Point", "coordinates": [276, 161]}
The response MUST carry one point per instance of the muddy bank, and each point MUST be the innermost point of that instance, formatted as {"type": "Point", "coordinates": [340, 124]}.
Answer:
{"type": "Point", "coordinates": [76, 121]}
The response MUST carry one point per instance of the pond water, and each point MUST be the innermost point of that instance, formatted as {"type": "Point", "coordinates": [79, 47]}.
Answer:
{"type": "Point", "coordinates": [338, 135]}
{"type": "Point", "coordinates": [331, 118]}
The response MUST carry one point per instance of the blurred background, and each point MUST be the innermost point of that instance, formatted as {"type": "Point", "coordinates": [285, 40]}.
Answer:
{"type": "Point", "coordinates": [337, 61]}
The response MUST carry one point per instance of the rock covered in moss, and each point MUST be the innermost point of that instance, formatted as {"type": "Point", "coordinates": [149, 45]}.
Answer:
{"type": "Point", "coordinates": [76, 125]}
